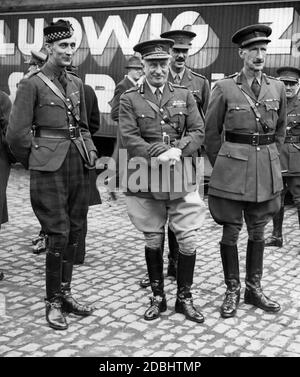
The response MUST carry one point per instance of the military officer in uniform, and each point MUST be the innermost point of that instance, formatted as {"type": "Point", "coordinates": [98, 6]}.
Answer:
{"type": "Point", "coordinates": [248, 109]}
{"type": "Point", "coordinates": [290, 151]}
{"type": "Point", "coordinates": [198, 85]}
{"type": "Point", "coordinates": [160, 126]}
{"type": "Point", "coordinates": [48, 133]}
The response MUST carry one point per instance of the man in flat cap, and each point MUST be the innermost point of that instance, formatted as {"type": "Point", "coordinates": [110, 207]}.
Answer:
{"type": "Point", "coordinates": [290, 151]}
{"type": "Point", "coordinates": [134, 73]}
{"type": "Point", "coordinates": [160, 129]}
{"type": "Point", "coordinates": [49, 135]}
{"type": "Point", "coordinates": [36, 61]}
{"type": "Point", "coordinates": [249, 110]}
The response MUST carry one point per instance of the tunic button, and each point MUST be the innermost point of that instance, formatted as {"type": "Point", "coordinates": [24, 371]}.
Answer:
{"type": "Point", "coordinates": [143, 116]}
{"type": "Point", "coordinates": [161, 110]}
{"type": "Point", "coordinates": [69, 112]}
{"type": "Point", "coordinates": [257, 119]}
{"type": "Point", "coordinates": [180, 112]}
{"type": "Point", "coordinates": [162, 122]}
{"type": "Point", "coordinates": [257, 104]}
{"type": "Point", "coordinates": [51, 103]}
{"type": "Point", "coordinates": [258, 149]}
{"type": "Point", "coordinates": [36, 146]}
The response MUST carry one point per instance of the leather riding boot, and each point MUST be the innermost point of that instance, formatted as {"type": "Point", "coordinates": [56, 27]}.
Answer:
{"type": "Point", "coordinates": [254, 269]}
{"type": "Point", "coordinates": [158, 304]}
{"type": "Point", "coordinates": [69, 304]}
{"type": "Point", "coordinates": [81, 248]}
{"type": "Point", "coordinates": [1, 275]}
{"type": "Point", "coordinates": [173, 254]}
{"type": "Point", "coordinates": [184, 300]}
{"type": "Point", "coordinates": [145, 281]}
{"type": "Point", "coordinates": [276, 238]}
{"type": "Point", "coordinates": [230, 262]}
{"type": "Point", "coordinates": [54, 314]}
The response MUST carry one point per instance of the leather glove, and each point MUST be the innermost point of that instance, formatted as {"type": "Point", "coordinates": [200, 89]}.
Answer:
{"type": "Point", "coordinates": [157, 148]}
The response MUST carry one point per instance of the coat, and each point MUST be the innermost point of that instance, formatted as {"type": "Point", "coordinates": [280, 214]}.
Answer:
{"type": "Point", "coordinates": [290, 152]}
{"type": "Point", "coordinates": [242, 171]}
{"type": "Point", "coordinates": [198, 85]}
{"type": "Point", "coordinates": [36, 105]}
{"type": "Point", "coordinates": [142, 123]}
{"type": "Point", "coordinates": [121, 87]}
{"type": "Point", "coordinates": [5, 107]}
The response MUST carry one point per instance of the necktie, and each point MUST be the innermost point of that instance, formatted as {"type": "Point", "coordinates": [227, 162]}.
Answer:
{"type": "Point", "coordinates": [177, 80]}
{"type": "Point", "coordinates": [158, 95]}
{"type": "Point", "coordinates": [63, 80]}
{"type": "Point", "coordinates": [255, 87]}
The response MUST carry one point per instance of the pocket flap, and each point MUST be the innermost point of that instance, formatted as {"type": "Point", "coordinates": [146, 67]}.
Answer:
{"type": "Point", "coordinates": [44, 101]}
{"type": "Point", "coordinates": [177, 111]}
{"type": "Point", "coordinates": [146, 113]}
{"type": "Point", "coordinates": [238, 107]}
{"type": "Point", "coordinates": [236, 152]}
{"type": "Point", "coordinates": [43, 142]}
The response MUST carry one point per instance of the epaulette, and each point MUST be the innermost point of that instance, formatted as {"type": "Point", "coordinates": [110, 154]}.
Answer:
{"type": "Point", "coordinates": [273, 78]}
{"type": "Point", "coordinates": [198, 74]}
{"type": "Point", "coordinates": [72, 73]}
{"type": "Point", "coordinates": [230, 76]}
{"type": "Point", "coordinates": [133, 89]}
{"type": "Point", "coordinates": [31, 73]}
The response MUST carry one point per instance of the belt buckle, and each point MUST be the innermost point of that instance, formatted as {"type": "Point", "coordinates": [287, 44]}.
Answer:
{"type": "Point", "coordinates": [72, 132]}
{"type": "Point", "coordinates": [166, 138]}
{"type": "Point", "coordinates": [255, 139]}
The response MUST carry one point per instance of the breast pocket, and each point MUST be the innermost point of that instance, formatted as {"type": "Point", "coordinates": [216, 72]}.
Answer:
{"type": "Point", "coordinates": [270, 115]}
{"type": "Point", "coordinates": [177, 116]}
{"type": "Point", "coordinates": [230, 170]}
{"type": "Point", "coordinates": [51, 111]}
{"type": "Point", "coordinates": [276, 170]}
{"type": "Point", "coordinates": [237, 117]}
{"type": "Point", "coordinates": [147, 123]}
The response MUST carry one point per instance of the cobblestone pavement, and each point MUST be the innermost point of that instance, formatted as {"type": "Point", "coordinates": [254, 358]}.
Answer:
{"type": "Point", "coordinates": [109, 280]}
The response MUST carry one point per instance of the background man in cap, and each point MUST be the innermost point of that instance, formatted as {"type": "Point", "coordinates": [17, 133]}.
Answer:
{"type": "Point", "coordinates": [290, 151]}
{"type": "Point", "coordinates": [58, 151]}
{"type": "Point", "coordinates": [249, 109]}
{"type": "Point", "coordinates": [159, 123]}
{"type": "Point", "coordinates": [36, 61]}
{"type": "Point", "coordinates": [135, 71]}
{"type": "Point", "coordinates": [198, 85]}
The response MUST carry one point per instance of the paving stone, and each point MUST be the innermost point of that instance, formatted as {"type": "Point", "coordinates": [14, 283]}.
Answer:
{"type": "Point", "coordinates": [109, 280]}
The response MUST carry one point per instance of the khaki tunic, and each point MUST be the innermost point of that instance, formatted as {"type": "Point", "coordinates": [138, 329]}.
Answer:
{"type": "Point", "coordinates": [242, 171]}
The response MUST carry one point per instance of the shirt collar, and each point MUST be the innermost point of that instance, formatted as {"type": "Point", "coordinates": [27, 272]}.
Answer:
{"type": "Point", "coordinates": [180, 74]}
{"type": "Point", "coordinates": [153, 88]}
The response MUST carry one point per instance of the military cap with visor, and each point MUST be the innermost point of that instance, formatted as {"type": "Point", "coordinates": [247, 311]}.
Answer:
{"type": "Point", "coordinates": [290, 74]}
{"type": "Point", "coordinates": [252, 34]}
{"type": "Point", "coordinates": [155, 48]}
{"type": "Point", "coordinates": [61, 29]}
{"type": "Point", "coordinates": [182, 38]}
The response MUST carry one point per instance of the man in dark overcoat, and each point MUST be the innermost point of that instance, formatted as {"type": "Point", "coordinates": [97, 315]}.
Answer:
{"type": "Point", "coordinates": [245, 126]}
{"type": "Point", "coordinates": [5, 107]}
{"type": "Point", "coordinates": [160, 129]}
{"type": "Point", "coordinates": [290, 151]}
{"type": "Point", "coordinates": [48, 133]}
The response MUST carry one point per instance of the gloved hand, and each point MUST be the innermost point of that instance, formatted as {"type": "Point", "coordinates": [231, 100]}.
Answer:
{"type": "Point", "coordinates": [172, 155]}
{"type": "Point", "coordinates": [157, 148]}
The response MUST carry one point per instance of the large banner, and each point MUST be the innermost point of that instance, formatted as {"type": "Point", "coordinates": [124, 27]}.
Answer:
{"type": "Point", "coordinates": [105, 38]}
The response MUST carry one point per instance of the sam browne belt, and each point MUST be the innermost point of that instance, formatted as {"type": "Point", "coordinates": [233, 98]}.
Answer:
{"type": "Point", "coordinates": [252, 139]}
{"type": "Point", "coordinates": [57, 133]}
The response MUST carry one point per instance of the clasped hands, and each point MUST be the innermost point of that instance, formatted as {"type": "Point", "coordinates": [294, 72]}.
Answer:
{"type": "Point", "coordinates": [172, 156]}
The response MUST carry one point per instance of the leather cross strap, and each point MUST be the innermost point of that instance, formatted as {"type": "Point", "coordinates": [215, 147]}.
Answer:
{"type": "Point", "coordinates": [68, 105]}
{"type": "Point", "coordinates": [257, 114]}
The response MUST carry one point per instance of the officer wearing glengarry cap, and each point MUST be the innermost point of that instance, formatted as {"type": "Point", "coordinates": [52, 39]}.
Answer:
{"type": "Point", "coordinates": [290, 151]}
{"type": "Point", "coordinates": [249, 109]}
{"type": "Point", "coordinates": [48, 133]}
{"type": "Point", "coordinates": [160, 125]}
